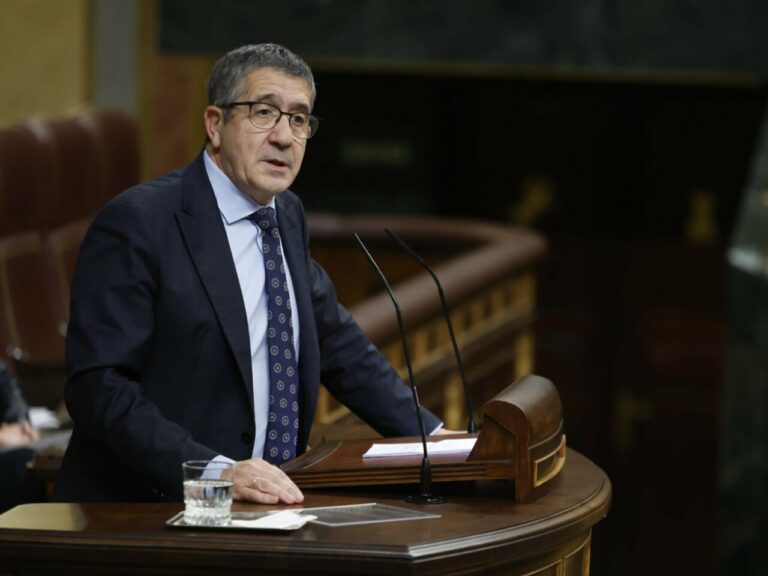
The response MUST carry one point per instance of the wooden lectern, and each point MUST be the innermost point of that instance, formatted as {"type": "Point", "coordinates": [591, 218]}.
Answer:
{"type": "Point", "coordinates": [521, 439]}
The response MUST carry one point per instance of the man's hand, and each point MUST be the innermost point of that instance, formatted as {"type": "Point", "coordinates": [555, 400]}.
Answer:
{"type": "Point", "coordinates": [17, 434]}
{"type": "Point", "coordinates": [256, 480]}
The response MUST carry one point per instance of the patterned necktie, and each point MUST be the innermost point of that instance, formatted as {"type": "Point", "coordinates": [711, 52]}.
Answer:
{"type": "Point", "coordinates": [283, 423]}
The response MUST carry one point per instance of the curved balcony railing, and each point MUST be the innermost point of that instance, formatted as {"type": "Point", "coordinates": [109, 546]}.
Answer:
{"type": "Point", "coordinates": [488, 273]}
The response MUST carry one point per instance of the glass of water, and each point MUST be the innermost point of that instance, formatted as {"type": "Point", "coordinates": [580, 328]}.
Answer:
{"type": "Point", "coordinates": [207, 492]}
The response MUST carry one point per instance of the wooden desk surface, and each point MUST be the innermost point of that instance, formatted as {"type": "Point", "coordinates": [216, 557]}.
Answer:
{"type": "Point", "coordinates": [481, 529]}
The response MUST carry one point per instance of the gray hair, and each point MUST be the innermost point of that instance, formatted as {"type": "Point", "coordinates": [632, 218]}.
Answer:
{"type": "Point", "coordinates": [225, 81]}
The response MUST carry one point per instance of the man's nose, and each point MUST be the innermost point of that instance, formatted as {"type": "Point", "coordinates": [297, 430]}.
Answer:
{"type": "Point", "coordinates": [282, 133]}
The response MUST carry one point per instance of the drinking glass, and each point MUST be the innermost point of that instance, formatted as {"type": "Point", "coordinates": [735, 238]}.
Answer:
{"type": "Point", "coordinates": [207, 494]}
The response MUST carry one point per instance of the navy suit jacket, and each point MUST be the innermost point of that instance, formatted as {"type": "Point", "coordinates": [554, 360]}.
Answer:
{"type": "Point", "coordinates": [158, 349]}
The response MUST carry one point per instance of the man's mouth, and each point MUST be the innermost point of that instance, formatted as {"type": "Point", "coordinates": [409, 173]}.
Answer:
{"type": "Point", "coordinates": [277, 163]}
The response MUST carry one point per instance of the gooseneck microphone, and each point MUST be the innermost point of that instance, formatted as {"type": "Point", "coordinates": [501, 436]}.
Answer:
{"type": "Point", "coordinates": [425, 484]}
{"type": "Point", "coordinates": [471, 426]}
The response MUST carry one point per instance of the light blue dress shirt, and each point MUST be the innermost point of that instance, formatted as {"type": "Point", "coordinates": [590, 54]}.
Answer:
{"type": "Point", "coordinates": [245, 244]}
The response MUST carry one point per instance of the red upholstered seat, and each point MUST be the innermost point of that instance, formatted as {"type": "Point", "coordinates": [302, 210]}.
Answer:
{"type": "Point", "coordinates": [82, 170]}
{"type": "Point", "coordinates": [54, 175]}
{"type": "Point", "coordinates": [63, 246]}
{"type": "Point", "coordinates": [28, 174]}
{"type": "Point", "coordinates": [31, 331]}
{"type": "Point", "coordinates": [30, 311]}
{"type": "Point", "coordinates": [119, 142]}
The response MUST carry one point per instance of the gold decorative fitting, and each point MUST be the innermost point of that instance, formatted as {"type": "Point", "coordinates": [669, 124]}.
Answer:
{"type": "Point", "coordinates": [558, 457]}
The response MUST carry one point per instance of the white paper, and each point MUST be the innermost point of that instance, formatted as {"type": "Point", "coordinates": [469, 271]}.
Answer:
{"type": "Point", "coordinates": [448, 446]}
{"type": "Point", "coordinates": [42, 417]}
{"type": "Point", "coordinates": [284, 520]}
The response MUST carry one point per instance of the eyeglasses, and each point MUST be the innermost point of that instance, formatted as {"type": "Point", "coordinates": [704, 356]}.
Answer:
{"type": "Point", "coordinates": [265, 117]}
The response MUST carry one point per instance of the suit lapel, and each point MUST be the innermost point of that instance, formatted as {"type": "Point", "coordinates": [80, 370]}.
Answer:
{"type": "Point", "coordinates": [206, 239]}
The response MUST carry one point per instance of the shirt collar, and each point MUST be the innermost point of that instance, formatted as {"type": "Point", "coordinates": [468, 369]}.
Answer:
{"type": "Point", "coordinates": [234, 204]}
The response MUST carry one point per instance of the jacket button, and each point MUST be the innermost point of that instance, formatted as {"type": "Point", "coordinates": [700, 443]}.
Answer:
{"type": "Point", "coordinates": [247, 438]}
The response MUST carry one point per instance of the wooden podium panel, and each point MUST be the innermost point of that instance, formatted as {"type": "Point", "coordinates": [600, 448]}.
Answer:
{"type": "Point", "coordinates": [481, 530]}
{"type": "Point", "coordinates": [521, 440]}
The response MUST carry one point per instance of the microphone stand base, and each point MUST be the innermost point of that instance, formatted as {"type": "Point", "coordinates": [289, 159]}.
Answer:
{"type": "Point", "coordinates": [425, 499]}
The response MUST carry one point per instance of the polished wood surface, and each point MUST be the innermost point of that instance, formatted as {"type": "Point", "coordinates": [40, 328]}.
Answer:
{"type": "Point", "coordinates": [481, 530]}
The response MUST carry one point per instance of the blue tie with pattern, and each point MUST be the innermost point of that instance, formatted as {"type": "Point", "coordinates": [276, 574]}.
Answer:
{"type": "Point", "coordinates": [283, 424]}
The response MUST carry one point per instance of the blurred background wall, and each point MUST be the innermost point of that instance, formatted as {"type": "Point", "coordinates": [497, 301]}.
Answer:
{"type": "Point", "coordinates": [625, 132]}
{"type": "Point", "coordinates": [45, 63]}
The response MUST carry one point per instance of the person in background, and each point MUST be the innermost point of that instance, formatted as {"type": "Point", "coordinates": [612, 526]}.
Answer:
{"type": "Point", "coordinates": [15, 428]}
{"type": "Point", "coordinates": [16, 436]}
{"type": "Point", "coordinates": [200, 327]}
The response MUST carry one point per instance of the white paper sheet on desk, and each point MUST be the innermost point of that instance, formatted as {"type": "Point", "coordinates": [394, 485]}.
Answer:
{"type": "Point", "coordinates": [448, 446]}
{"type": "Point", "coordinates": [285, 520]}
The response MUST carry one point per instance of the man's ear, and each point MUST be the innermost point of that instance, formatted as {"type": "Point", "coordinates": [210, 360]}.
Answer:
{"type": "Point", "coordinates": [214, 120]}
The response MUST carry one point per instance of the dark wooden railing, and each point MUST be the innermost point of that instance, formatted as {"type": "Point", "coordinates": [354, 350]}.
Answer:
{"type": "Point", "coordinates": [488, 273]}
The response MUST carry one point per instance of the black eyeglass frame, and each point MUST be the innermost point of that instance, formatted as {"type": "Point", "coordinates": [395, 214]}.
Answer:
{"type": "Point", "coordinates": [313, 122]}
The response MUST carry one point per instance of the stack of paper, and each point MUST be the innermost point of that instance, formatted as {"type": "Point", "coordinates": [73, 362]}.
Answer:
{"type": "Point", "coordinates": [448, 446]}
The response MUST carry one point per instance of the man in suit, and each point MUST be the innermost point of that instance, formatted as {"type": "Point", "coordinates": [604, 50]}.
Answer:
{"type": "Point", "coordinates": [178, 349]}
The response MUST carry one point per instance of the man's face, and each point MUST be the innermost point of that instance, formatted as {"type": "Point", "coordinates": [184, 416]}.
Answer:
{"type": "Point", "coordinates": [262, 163]}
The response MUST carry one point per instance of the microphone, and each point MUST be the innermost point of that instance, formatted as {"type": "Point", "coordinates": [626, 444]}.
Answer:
{"type": "Point", "coordinates": [425, 484]}
{"type": "Point", "coordinates": [471, 426]}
